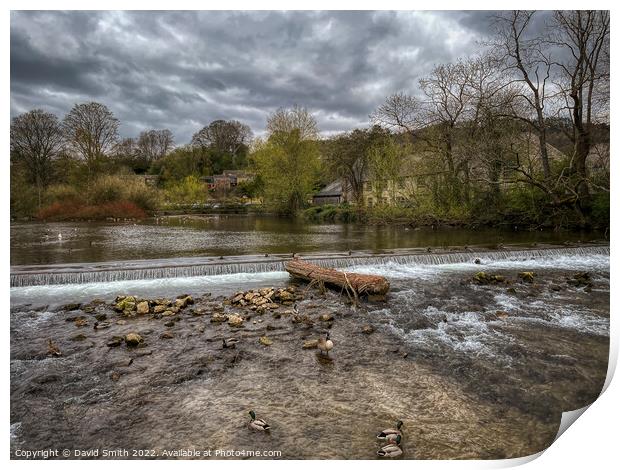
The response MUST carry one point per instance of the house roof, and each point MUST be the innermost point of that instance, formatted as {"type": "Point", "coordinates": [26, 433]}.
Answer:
{"type": "Point", "coordinates": [332, 189]}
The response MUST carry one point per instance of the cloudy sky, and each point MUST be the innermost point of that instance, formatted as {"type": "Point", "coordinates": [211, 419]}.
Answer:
{"type": "Point", "coordinates": [181, 70]}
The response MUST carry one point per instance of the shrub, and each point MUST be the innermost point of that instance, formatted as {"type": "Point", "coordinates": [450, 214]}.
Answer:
{"type": "Point", "coordinates": [73, 210]}
{"type": "Point", "coordinates": [188, 191]}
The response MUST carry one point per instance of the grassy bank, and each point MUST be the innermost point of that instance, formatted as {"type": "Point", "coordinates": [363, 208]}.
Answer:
{"type": "Point", "coordinates": [513, 215]}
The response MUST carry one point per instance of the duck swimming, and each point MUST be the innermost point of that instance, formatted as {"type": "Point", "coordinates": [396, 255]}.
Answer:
{"type": "Point", "coordinates": [391, 450]}
{"type": "Point", "coordinates": [391, 434]}
{"type": "Point", "coordinates": [257, 424]}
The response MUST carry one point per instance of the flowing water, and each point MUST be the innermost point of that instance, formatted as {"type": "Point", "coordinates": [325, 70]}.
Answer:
{"type": "Point", "coordinates": [474, 371]}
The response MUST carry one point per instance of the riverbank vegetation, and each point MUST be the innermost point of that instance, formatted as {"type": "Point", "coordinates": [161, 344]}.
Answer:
{"type": "Point", "coordinates": [517, 135]}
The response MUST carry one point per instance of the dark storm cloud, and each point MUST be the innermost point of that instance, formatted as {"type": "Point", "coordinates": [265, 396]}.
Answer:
{"type": "Point", "coordinates": [181, 70]}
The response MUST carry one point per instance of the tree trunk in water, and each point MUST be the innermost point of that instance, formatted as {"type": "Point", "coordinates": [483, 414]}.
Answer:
{"type": "Point", "coordinates": [361, 284]}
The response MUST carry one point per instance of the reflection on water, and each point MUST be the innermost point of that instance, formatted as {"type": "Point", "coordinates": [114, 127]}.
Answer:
{"type": "Point", "coordinates": [39, 243]}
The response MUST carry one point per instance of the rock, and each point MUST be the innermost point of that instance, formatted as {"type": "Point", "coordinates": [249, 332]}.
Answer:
{"type": "Point", "coordinates": [286, 296]}
{"type": "Point", "coordinates": [265, 341]}
{"type": "Point", "coordinates": [581, 280]}
{"type": "Point", "coordinates": [326, 317]}
{"type": "Point", "coordinates": [180, 303]}
{"type": "Point", "coordinates": [217, 317]}
{"type": "Point", "coordinates": [115, 341]}
{"type": "Point", "coordinates": [102, 325]}
{"type": "Point", "coordinates": [80, 321]}
{"type": "Point", "coordinates": [70, 307]}
{"type": "Point", "coordinates": [101, 316]}
{"type": "Point", "coordinates": [511, 290]}
{"type": "Point", "coordinates": [527, 276]}
{"type": "Point", "coordinates": [235, 320]}
{"type": "Point", "coordinates": [142, 308]}
{"type": "Point", "coordinates": [501, 314]}
{"type": "Point", "coordinates": [368, 329]}
{"type": "Point", "coordinates": [79, 337]}
{"type": "Point", "coordinates": [482, 278]}
{"type": "Point", "coordinates": [167, 335]}
{"type": "Point", "coordinates": [126, 303]}
{"type": "Point", "coordinates": [121, 322]}
{"type": "Point", "coordinates": [115, 376]}
{"type": "Point", "coordinates": [310, 344]}
{"type": "Point", "coordinates": [169, 323]}
{"type": "Point", "coordinates": [477, 261]}
{"type": "Point", "coordinates": [168, 313]}
{"type": "Point", "coordinates": [133, 339]}
{"type": "Point", "coordinates": [159, 309]}
{"type": "Point", "coordinates": [237, 298]}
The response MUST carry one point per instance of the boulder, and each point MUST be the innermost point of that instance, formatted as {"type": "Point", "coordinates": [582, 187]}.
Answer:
{"type": "Point", "coordinates": [167, 335]}
{"type": "Point", "coordinates": [126, 303]}
{"type": "Point", "coordinates": [235, 320]}
{"type": "Point", "coordinates": [101, 316]}
{"type": "Point", "coordinates": [310, 344]}
{"type": "Point", "coordinates": [160, 308]}
{"type": "Point", "coordinates": [482, 278]}
{"type": "Point", "coordinates": [265, 341]}
{"type": "Point", "coordinates": [142, 308]}
{"type": "Point", "coordinates": [286, 296]}
{"type": "Point", "coordinates": [133, 339]}
{"type": "Point", "coordinates": [217, 317]}
{"type": "Point", "coordinates": [527, 276]}
{"type": "Point", "coordinates": [326, 317]}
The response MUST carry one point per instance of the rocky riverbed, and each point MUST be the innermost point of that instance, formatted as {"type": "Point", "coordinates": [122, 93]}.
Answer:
{"type": "Point", "coordinates": [476, 366]}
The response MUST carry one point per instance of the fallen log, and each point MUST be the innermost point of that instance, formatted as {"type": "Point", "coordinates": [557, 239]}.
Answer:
{"type": "Point", "coordinates": [372, 286]}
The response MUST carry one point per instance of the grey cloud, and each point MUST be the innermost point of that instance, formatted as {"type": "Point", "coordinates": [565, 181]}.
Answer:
{"type": "Point", "coordinates": [181, 70]}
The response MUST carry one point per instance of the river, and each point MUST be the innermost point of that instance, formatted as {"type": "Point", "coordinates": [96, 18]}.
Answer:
{"type": "Point", "coordinates": [474, 371]}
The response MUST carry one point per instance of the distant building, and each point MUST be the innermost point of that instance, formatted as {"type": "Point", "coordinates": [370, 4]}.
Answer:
{"type": "Point", "coordinates": [228, 179]}
{"type": "Point", "coordinates": [330, 194]}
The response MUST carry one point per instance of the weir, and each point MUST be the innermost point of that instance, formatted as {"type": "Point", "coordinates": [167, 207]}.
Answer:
{"type": "Point", "coordinates": [39, 275]}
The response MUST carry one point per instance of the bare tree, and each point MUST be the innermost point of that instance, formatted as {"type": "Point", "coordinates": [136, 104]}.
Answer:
{"type": "Point", "coordinates": [399, 112]}
{"type": "Point", "coordinates": [224, 136]}
{"type": "Point", "coordinates": [293, 119]}
{"type": "Point", "coordinates": [92, 131]}
{"type": "Point", "coordinates": [36, 139]}
{"type": "Point", "coordinates": [583, 81]}
{"type": "Point", "coordinates": [526, 60]}
{"type": "Point", "coordinates": [154, 144]}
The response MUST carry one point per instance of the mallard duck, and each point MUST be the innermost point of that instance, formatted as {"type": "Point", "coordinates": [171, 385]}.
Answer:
{"type": "Point", "coordinates": [391, 434]}
{"type": "Point", "coordinates": [229, 343]}
{"type": "Point", "coordinates": [257, 424]}
{"type": "Point", "coordinates": [391, 450]}
{"type": "Point", "coordinates": [325, 344]}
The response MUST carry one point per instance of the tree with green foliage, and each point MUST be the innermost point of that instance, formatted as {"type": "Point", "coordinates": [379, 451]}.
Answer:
{"type": "Point", "coordinates": [182, 162]}
{"type": "Point", "coordinates": [288, 160]}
